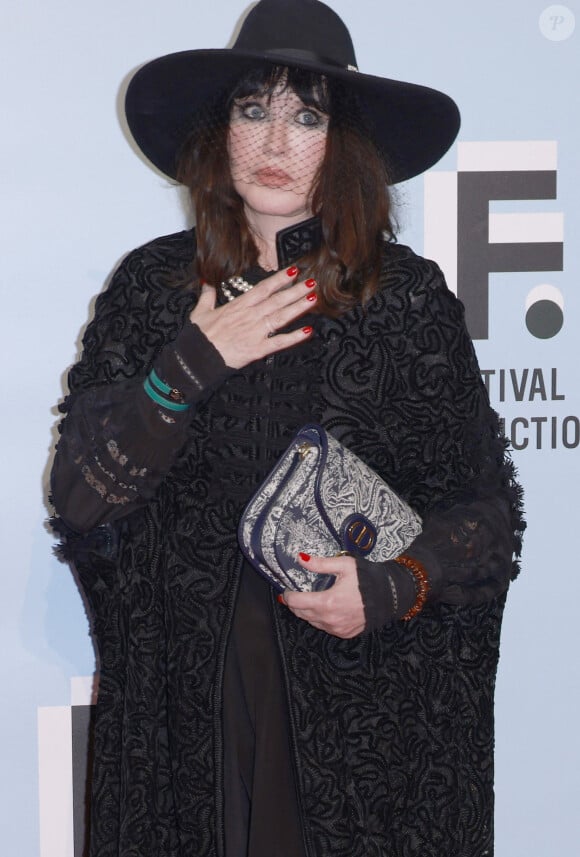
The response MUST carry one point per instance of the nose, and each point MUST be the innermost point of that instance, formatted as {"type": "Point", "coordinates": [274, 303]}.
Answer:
{"type": "Point", "coordinates": [276, 136]}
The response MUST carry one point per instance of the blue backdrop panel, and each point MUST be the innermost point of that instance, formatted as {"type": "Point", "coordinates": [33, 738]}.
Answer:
{"type": "Point", "coordinates": [500, 213]}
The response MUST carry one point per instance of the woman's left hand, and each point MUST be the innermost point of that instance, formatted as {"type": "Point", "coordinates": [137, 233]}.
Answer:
{"type": "Point", "coordinates": [339, 610]}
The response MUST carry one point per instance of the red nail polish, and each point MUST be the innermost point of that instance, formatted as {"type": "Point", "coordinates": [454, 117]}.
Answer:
{"type": "Point", "coordinates": [311, 298]}
{"type": "Point", "coordinates": [202, 282]}
{"type": "Point", "coordinates": [305, 557]}
{"type": "Point", "coordinates": [310, 283]}
{"type": "Point", "coordinates": [280, 599]}
{"type": "Point", "coordinates": [292, 271]}
{"type": "Point", "coordinates": [307, 330]}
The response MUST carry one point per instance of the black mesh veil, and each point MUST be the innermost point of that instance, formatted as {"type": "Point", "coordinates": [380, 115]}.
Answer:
{"type": "Point", "coordinates": [293, 144]}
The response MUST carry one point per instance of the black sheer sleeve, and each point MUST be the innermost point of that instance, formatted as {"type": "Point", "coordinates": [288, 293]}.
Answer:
{"type": "Point", "coordinates": [466, 551]}
{"type": "Point", "coordinates": [116, 444]}
{"type": "Point", "coordinates": [457, 470]}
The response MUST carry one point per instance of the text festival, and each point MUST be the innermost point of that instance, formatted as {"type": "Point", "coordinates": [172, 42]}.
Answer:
{"type": "Point", "coordinates": [532, 385]}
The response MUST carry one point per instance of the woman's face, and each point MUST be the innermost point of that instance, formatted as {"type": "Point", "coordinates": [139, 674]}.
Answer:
{"type": "Point", "coordinates": [276, 145]}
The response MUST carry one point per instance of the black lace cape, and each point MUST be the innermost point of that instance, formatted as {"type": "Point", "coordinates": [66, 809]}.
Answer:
{"type": "Point", "coordinates": [392, 732]}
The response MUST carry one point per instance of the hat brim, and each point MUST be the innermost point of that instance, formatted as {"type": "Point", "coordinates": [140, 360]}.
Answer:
{"type": "Point", "coordinates": [413, 125]}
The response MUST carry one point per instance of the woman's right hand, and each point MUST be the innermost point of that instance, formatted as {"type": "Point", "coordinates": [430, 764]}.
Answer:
{"type": "Point", "coordinates": [245, 329]}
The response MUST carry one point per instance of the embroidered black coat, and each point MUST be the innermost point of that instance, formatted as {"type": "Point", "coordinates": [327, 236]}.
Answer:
{"type": "Point", "coordinates": [391, 732]}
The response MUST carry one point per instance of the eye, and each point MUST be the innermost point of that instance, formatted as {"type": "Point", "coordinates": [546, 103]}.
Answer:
{"type": "Point", "coordinates": [252, 110]}
{"type": "Point", "coordinates": [310, 118]}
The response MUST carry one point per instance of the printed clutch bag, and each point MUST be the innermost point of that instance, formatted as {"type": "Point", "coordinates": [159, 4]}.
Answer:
{"type": "Point", "coordinates": [322, 499]}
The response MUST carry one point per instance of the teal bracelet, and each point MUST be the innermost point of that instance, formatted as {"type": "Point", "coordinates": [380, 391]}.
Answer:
{"type": "Point", "coordinates": [160, 386]}
{"type": "Point", "coordinates": [158, 383]}
{"type": "Point", "coordinates": [161, 400]}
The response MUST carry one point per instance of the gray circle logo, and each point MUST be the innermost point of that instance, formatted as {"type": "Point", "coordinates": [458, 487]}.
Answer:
{"type": "Point", "coordinates": [557, 23]}
{"type": "Point", "coordinates": [544, 311]}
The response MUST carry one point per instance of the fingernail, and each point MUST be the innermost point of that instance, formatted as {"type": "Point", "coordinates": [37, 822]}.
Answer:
{"type": "Point", "coordinates": [280, 599]}
{"type": "Point", "coordinates": [305, 557]}
{"type": "Point", "coordinates": [202, 283]}
{"type": "Point", "coordinates": [311, 298]}
{"type": "Point", "coordinates": [310, 283]}
{"type": "Point", "coordinates": [307, 330]}
{"type": "Point", "coordinates": [292, 271]}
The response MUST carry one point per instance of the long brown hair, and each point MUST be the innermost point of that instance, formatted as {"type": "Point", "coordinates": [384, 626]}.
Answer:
{"type": "Point", "coordinates": [350, 193]}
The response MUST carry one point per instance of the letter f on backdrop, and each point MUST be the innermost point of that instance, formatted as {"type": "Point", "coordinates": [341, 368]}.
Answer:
{"type": "Point", "coordinates": [480, 242]}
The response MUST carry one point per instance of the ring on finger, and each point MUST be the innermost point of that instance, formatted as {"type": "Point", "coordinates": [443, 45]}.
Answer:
{"type": "Point", "coordinates": [270, 328]}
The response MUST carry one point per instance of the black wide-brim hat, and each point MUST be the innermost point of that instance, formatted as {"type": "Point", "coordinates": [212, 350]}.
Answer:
{"type": "Point", "coordinates": [412, 125]}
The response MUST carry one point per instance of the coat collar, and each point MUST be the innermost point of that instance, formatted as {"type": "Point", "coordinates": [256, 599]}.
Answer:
{"type": "Point", "coordinates": [298, 240]}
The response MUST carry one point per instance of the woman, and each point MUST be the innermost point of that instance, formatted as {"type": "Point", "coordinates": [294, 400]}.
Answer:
{"type": "Point", "coordinates": [356, 721]}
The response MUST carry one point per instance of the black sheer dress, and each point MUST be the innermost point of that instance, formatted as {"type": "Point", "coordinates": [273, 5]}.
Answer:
{"type": "Point", "coordinates": [117, 448]}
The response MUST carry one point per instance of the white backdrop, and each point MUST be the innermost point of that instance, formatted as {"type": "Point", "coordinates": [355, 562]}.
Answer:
{"type": "Point", "coordinates": [75, 198]}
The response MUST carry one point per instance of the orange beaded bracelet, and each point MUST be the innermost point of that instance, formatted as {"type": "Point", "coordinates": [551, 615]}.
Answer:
{"type": "Point", "coordinates": [421, 583]}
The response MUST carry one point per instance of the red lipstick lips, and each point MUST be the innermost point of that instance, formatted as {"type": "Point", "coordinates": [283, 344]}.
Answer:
{"type": "Point", "coordinates": [271, 177]}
